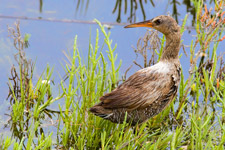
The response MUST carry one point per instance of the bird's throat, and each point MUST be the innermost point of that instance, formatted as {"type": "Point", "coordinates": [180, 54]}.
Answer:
{"type": "Point", "coordinates": [171, 50]}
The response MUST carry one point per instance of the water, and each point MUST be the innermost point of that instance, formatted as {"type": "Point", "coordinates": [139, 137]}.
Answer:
{"type": "Point", "coordinates": [49, 39]}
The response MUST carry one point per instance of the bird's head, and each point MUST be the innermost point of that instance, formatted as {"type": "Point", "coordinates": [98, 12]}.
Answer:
{"type": "Point", "coordinates": [165, 24]}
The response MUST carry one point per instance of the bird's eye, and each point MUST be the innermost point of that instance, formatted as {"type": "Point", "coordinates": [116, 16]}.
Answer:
{"type": "Point", "coordinates": [158, 21]}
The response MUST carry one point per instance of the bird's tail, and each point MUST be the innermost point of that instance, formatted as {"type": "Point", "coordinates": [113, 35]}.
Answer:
{"type": "Point", "coordinates": [100, 111]}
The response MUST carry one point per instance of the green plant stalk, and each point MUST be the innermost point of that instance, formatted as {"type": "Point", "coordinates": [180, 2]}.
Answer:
{"type": "Point", "coordinates": [183, 24]}
{"type": "Point", "coordinates": [161, 49]}
{"type": "Point", "coordinates": [32, 130]}
{"type": "Point", "coordinates": [206, 81]}
{"type": "Point", "coordinates": [110, 53]}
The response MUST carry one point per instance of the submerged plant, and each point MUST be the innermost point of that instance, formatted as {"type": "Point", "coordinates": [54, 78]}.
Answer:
{"type": "Point", "coordinates": [28, 101]}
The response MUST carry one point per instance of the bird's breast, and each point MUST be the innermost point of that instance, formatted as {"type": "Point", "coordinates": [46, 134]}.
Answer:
{"type": "Point", "coordinates": [161, 67]}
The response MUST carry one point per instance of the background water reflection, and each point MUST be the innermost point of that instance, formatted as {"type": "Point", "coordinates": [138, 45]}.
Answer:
{"type": "Point", "coordinates": [49, 39]}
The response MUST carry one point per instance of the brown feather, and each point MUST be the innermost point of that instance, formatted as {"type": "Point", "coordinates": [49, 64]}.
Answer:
{"type": "Point", "coordinates": [150, 90]}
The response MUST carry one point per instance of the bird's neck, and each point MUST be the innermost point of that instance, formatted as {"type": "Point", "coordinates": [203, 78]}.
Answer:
{"type": "Point", "coordinates": [171, 50]}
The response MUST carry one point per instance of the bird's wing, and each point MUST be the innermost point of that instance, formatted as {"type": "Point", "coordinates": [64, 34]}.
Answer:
{"type": "Point", "coordinates": [141, 89]}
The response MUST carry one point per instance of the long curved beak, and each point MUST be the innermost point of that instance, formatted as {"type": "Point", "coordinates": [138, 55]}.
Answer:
{"type": "Point", "coordinates": [147, 23]}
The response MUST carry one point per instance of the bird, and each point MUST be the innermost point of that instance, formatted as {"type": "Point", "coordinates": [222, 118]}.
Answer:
{"type": "Point", "coordinates": [150, 90]}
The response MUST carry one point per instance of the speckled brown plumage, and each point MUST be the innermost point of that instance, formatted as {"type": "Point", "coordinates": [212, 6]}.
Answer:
{"type": "Point", "coordinates": [147, 92]}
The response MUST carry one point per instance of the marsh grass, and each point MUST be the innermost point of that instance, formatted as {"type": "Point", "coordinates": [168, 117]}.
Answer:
{"type": "Point", "coordinates": [194, 120]}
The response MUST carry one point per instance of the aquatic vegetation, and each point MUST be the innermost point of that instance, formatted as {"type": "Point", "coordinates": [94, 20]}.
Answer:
{"type": "Point", "coordinates": [195, 119]}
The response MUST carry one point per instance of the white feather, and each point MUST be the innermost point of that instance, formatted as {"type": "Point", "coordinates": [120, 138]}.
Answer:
{"type": "Point", "coordinates": [161, 67]}
{"type": "Point", "coordinates": [108, 116]}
